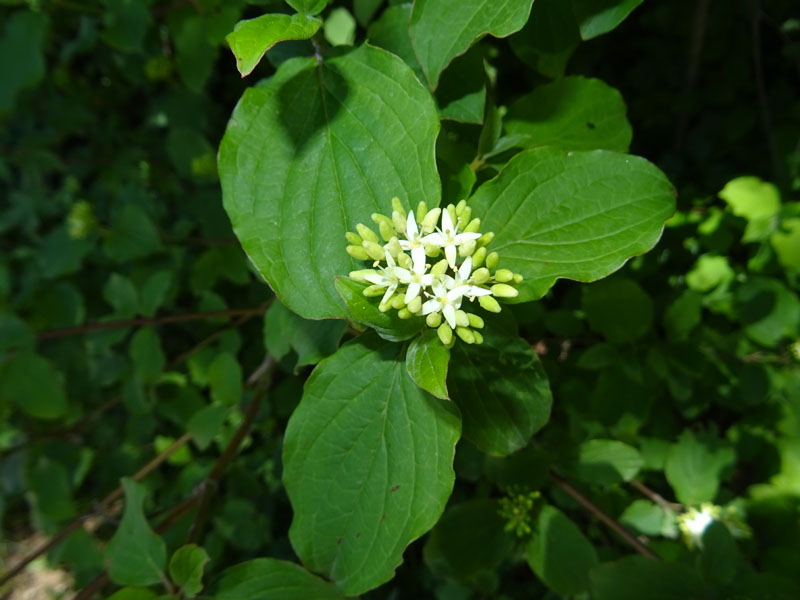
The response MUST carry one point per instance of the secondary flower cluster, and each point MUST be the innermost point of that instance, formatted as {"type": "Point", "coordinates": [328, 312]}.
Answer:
{"type": "Point", "coordinates": [428, 263]}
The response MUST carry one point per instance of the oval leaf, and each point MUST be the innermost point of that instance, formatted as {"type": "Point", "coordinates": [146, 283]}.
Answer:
{"type": "Point", "coordinates": [33, 384]}
{"type": "Point", "coordinates": [440, 30]}
{"type": "Point", "coordinates": [426, 361]}
{"type": "Point", "coordinates": [364, 311]}
{"type": "Point", "coordinates": [502, 391]}
{"type": "Point", "coordinates": [606, 462]}
{"type": "Point", "coordinates": [368, 459]}
{"type": "Point", "coordinates": [252, 38]}
{"type": "Point", "coordinates": [597, 17]}
{"type": "Point", "coordinates": [270, 579]}
{"type": "Point", "coordinates": [577, 215]}
{"type": "Point", "coordinates": [316, 150]}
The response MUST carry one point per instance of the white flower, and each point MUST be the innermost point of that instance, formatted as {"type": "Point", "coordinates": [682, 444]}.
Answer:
{"type": "Point", "coordinates": [416, 278]}
{"type": "Point", "coordinates": [462, 279]}
{"type": "Point", "coordinates": [386, 278]}
{"type": "Point", "coordinates": [448, 238]}
{"type": "Point", "coordinates": [446, 299]}
{"type": "Point", "coordinates": [413, 240]}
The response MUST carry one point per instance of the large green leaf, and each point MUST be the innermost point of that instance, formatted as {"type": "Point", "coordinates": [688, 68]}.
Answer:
{"type": "Point", "coordinates": [252, 38]}
{"type": "Point", "coordinates": [440, 30]}
{"type": "Point", "coordinates": [502, 391]}
{"type": "Point", "coordinates": [577, 215]}
{"type": "Point", "coordinates": [597, 17]}
{"type": "Point", "coordinates": [21, 57]}
{"type": "Point", "coordinates": [368, 464]}
{"type": "Point", "coordinates": [136, 555]}
{"type": "Point", "coordinates": [33, 384]}
{"type": "Point", "coordinates": [270, 579]}
{"type": "Point", "coordinates": [573, 113]}
{"type": "Point", "coordinates": [316, 150]}
{"type": "Point", "coordinates": [695, 467]}
{"type": "Point", "coordinates": [364, 311]}
{"type": "Point", "coordinates": [427, 360]}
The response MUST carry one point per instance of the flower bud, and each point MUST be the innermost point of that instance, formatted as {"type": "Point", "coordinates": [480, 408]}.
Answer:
{"type": "Point", "coordinates": [373, 291]}
{"type": "Point", "coordinates": [404, 260]}
{"type": "Point", "coordinates": [486, 238]}
{"type": "Point", "coordinates": [478, 337]}
{"type": "Point", "coordinates": [465, 334]}
{"type": "Point", "coordinates": [399, 222]}
{"type": "Point", "coordinates": [445, 333]}
{"type": "Point", "coordinates": [480, 276]}
{"type": "Point", "coordinates": [422, 210]}
{"type": "Point", "coordinates": [466, 214]}
{"type": "Point", "coordinates": [432, 251]}
{"type": "Point", "coordinates": [415, 305]}
{"type": "Point", "coordinates": [475, 321]}
{"type": "Point", "coordinates": [474, 226]}
{"type": "Point", "coordinates": [385, 306]}
{"type": "Point", "coordinates": [353, 238]}
{"type": "Point", "coordinates": [489, 303]}
{"type": "Point", "coordinates": [398, 301]}
{"type": "Point", "coordinates": [386, 227]}
{"type": "Point", "coordinates": [357, 252]}
{"type": "Point", "coordinates": [393, 248]}
{"type": "Point", "coordinates": [366, 233]}
{"type": "Point", "coordinates": [440, 268]}
{"type": "Point", "coordinates": [359, 275]}
{"type": "Point", "coordinates": [374, 250]}
{"type": "Point", "coordinates": [430, 220]}
{"type": "Point", "coordinates": [404, 313]}
{"type": "Point", "coordinates": [466, 248]}
{"type": "Point", "coordinates": [462, 320]}
{"type": "Point", "coordinates": [501, 290]}
{"type": "Point", "coordinates": [398, 206]}
{"type": "Point", "coordinates": [452, 210]}
{"type": "Point", "coordinates": [517, 278]}
{"type": "Point", "coordinates": [503, 275]}
{"type": "Point", "coordinates": [434, 319]}
{"type": "Point", "coordinates": [492, 260]}
{"type": "Point", "coordinates": [478, 257]}
{"type": "Point", "coordinates": [460, 208]}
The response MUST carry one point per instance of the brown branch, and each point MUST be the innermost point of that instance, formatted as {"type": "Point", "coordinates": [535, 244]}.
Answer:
{"type": "Point", "coordinates": [655, 497]}
{"type": "Point", "coordinates": [138, 322]}
{"type": "Point", "coordinates": [604, 517]}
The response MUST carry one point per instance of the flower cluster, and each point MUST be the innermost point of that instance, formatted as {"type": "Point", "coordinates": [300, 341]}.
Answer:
{"type": "Point", "coordinates": [428, 263]}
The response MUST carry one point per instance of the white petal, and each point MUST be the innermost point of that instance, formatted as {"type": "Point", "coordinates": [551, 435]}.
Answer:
{"type": "Point", "coordinates": [451, 254]}
{"type": "Point", "coordinates": [402, 274]}
{"type": "Point", "coordinates": [477, 291]}
{"type": "Point", "coordinates": [418, 258]}
{"type": "Point", "coordinates": [449, 314]}
{"type": "Point", "coordinates": [463, 237]}
{"type": "Point", "coordinates": [456, 293]}
{"type": "Point", "coordinates": [389, 293]}
{"type": "Point", "coordinates": [426, 280]}
{"type": "Point", "coordinates": [434, 239]}
{"type": "Point", "coordinates": [431, 306]}
{"type": "Point", "coordinates": [405, 244]}
{"type": "Point", "coordinates": [377, 279]}
{"type": "Point", "coordinates": [438, 289]}
{"type": "Point", "coordinates": [465, 269]}
{"type": "Point", "coordinates": [447, 222]}
{"type": "Point", "coordinates": [412, 292]}
{"type": "Point", "coordinates": [411, 226]}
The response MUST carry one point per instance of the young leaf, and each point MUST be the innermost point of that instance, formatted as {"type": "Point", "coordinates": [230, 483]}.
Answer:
{"type": "Point", "coordinates": [311, 340]}
{"type": "Point", "coordinates": [270, 579]}
{"type": "Point", "coordinates": [606, 461]}
{"type": "Point", "coordinates": [502, 391]}
{"type": "Point", "coordinates": [317, 150]}
{"type": "Point", "coordinates": [597, 17]}
{"type": "Point", "coordinates": [380, 450]}
{"type": "Point", "coordinates": [310, 7]}
{"type": "Point", "coordinates": [253, 37]}
{"type": "Point", "coordinates": [206, 423]}
{"type": "Point", "coordinates": [694, 468]}
{"type": "Point", "coordinates": [136, 554]}
{"type": "Point", "coordinates": [560, 554]}
{"type": "Point", "coordinates": [578, 215]}
{"type": "Point", "coordinates": [33, 384]}
{"type": "Point", "coordinates": [365, 312]}
{"type": "Point", "coordinates": [186, 569]}
{"type": "Point", "coordinates": [426, 361]}
{"type": "Point", "coordinates": [573, 113]}
{"type": "Point", "coordinates": [225, 379]}
{"type": "Point", "coordinates": [440, 30]}
{"type": "Point", "coordinates": [146, 353]}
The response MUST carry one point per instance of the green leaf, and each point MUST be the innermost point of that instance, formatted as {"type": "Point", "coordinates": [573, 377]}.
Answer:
{"type": "Point", "coordinates": [573, 113]}
{"type": "Point", "coordinates": [49, 485]}
{"type": "Point", "coordinates": [436, 44]}
{"type": "Point", "coordinates": [695, 467]}
{"type": "Point", "coordinates": [560, 554]}
{"type": "Point", "coordinates": [606, 462]}
{"type": "Point", "coordinates": [648, 518]}
{"type": "Point", "coordinates": [310, 7]}
{"type": "Point", "coordinates": [134, 593]}
{"type": "Point", "coordinates": [597, 17]}
{"type": "Point", "coordinates": [311, 340]}
{"type": "Point", "coordinates": [365, 311]}
{"type": "Point", "coordinates": [340, 27]}
{"type": "Point", "coordinates": [548, 40]}
{"type": "Point", "coordinates": [720, 559]}
{"type": "Point", "coordinates": [14, 333]}
{"type": "Point", "coordinates": [121, 294]}
{"type": "Point", "coordinates": [502, 391]}
{"type": "Point", "coordinates": [135, 554]}
{"type": "Point", "coordinates": [252, 38]}
{"type": "Point", "coordinates": [637, 577]}
{"type": "Point", "coordinates": [33, 384]}
{"type": "Point", "coordinates": [381, 452]}
{"type": "Point", "coordinates": [62, 254]}
{"type": "Point", "coordinates": [317, 150]}
{"type": "Point", "coordinates": [132, 235]}
{"type": "Point", "coordinates": [206, 423]}
{"type": "Point", "coordinates": [21, 56]}
{"type": "Point", "coordinates": [461, 95]}
{"type": "Point", "coordinates": [683, 315]}
{"type": "Point", "coordinates": [146, 353]}
{"type": "Point", "coordinates": [186, 569]}
{"type": "Point", "coordinates": [270, 579]}
{"type": "Point", "coordinates": [126, 23]}
{"type": "Point", "coordinates": [194, 57]}
{"type": "Point", "coordinates": [768, 310]}
{"type": "Point", "coordinates": [390, 32]}
{"type": "Point", "coordinates": [577, 215]}
{"type": "Point", "coordinates": [618, 309]}
{"type": "Point", "coordinates": [756, 201]}
{"type": "Point", "coordinates": [426, 361]}
{"type": "Point", "coordinates": [708, 272]}
{"type": "Point", "coordinates": [365, 10]}
{"type": "Point", "coordinates": [469, 541]}
{"type": "Point", "coordinates": [225, 379]}
{"type": "Point", "coordinates": [154, 291]}
{"type": "Point", "coordinates": [786, 243]}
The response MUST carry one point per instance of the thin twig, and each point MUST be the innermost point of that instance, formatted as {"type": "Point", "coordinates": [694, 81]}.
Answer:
{"type": "Point", "coordinates": [138, 322]}
{"type": "Point", "coordinates": [655, 496]}
{"type": "Point", "coordinates": [604, 517]}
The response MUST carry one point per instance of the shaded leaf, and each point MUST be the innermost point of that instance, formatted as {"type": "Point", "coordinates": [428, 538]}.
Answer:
{"type": "Point", "coordinates": [21, 56]}
{"type": "Point", "coordinates": [597, 17]}
{"type": "Point", "coordinates": [606, 461]}
{"type": "Point", "coordinates": [695, 467]}
{"type": "Point", "coordinates": [33, 384]}
{"type": "Point", "coordinates": [186, 569]}
{"type": "Point", "coordinates": [426, 361]}
{"type": "Point", "coordinates": [619, 309]}
{"type": "Point", "coordinates": [637, 577]}
{"type": "Point", "coordinates": [364, 311]}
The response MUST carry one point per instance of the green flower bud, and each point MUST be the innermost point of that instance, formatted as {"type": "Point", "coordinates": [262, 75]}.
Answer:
{"type": "Point", "coordinates": [478, 257]}
{"type": "Point", "coordinates": [466, 215]}
{"type": "Point", "coordinates": [475, 321]}
{"type": "Point", "coordinates": [503, 275]}
{"type": "Point", "coordinates": [422, 210]}
{"type": "Point", "coordinates": [445, 333]}
{"type": "Point", "coordinates": [366, 233]}
{"type": "Point", "coordinates": [404, 313]}
{"type": "Point", "coordinates": [374, 290]}
{"type": "Point", "coordinates": [480, 276]}
{"type": "Point", "coordinates": [353, 238]}
{"type": "Point", "coordinates": [460, 208]}
{"type": "Point", "coordinates": [398, 301]}
{"type": "Point", "coordinates": [489, 303]}
{"type": "Point", "coordinates": [398, 206]}
{"type": "Point", "coordinates": [394, 248]}
{"type": "Point", "coordinates": [440, 268]}
{"type": "Point", "coordinates": [492, 259]}
{"type": "Point", "coordinates": [466, 248]}
{"type": "Point", "coordinates": [359, 275]}
{"type": "Point", "coordinates": [357, 252]}
{"type": "Point", "coordinates": [385, 306]}
{"type": "Point", "coordinates": [434, 319]}
{"type": "Point", "coordinates": [374, 250]}
{"type": "Point", "coordinates": [399, 221]}
{"type": "Point", "coordinates": [404, 260]}
{"type": "Point", "coordinates": [462, 320]}
{"type": "Point", "coordinates": [478, 337]}
{"type": "Point", "coordinates": [387, 229]}
{"type": "Point", "coordinates": [415, 305]}
{"type": "Point", "coordinates": [465, 334]}
{"type": "Point", "coordinates": [486, 238]}
{"type": "Point", "coordinates": [452, 210]}
{"type": "Point", "coordinates": [430, 220]}
{"type": "Point", "coordinates": [432, 251]}
{"type": "Point", "coordinates": [517, 278]}
{"type": "Point", "coordinates": [474, 226]}
{"type": "Point", "coordinates": [501, 290]}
